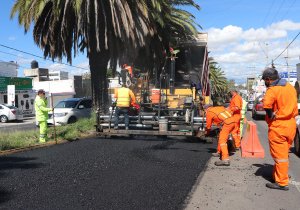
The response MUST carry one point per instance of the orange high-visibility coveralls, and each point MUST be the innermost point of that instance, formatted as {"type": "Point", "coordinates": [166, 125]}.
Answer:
{"type": "Point", "coordinates": [220, 116]}
{"type": "Point", "coordinates": [236, 105]}
{"type": "Point", "coordinates": [282, 99]}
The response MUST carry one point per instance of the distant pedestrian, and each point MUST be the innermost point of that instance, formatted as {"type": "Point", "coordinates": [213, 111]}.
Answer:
{"type": "Point", "coordinates": [280, 103]}
{"type": "Point", "coordinates": [41, 114]}
{"type": "Point", "coordinates": [235, 107]}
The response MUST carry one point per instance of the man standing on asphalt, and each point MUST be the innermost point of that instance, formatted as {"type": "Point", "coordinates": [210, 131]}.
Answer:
{"type": "Point", "coordinates": [219, 115]}
{"type": "Point", "coordinates": [280, 103]}
{"type": "Point", "coordinates": [41, 114]}
{"type": "Point", "coordinates": [235, 107]}
{"type": "Point", "coordinates": [124, 97]}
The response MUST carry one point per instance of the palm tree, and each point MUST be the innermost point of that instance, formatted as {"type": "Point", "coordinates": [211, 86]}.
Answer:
{"type": "Point", "coordinates": [107, 31]}
{"type": "Point", "coordinates": [218, 80]}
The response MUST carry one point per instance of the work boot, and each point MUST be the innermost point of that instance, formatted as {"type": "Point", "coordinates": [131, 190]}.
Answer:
{"type": "Point", "coordinates": [215, 154]}
{"type": "Point", "coordinates": [222, 163]}
{"type": "Point", "coordinates": [277, 186]}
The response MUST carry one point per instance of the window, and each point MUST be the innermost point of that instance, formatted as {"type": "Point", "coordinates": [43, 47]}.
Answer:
{"type": "Point", "coordinates": [66, 104]}
{"type": "Point", "coordinates": [86, 103]}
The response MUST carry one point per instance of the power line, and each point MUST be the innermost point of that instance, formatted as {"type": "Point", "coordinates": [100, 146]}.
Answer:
{"type": "Point", "coordinates": [78, 67]}
{"type": "Point", "coordinates": [286, 47]}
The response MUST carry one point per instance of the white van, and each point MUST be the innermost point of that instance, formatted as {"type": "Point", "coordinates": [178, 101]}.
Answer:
{"type": "Point", "coordinates": [70, 110]}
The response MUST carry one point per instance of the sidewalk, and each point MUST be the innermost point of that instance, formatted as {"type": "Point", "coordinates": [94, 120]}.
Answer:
{"type": "Point", "coordinates": [242, 185]}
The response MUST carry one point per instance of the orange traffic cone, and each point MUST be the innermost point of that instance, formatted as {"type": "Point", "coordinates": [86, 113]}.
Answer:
{"type": "Point", "coordinates": [250, 145]}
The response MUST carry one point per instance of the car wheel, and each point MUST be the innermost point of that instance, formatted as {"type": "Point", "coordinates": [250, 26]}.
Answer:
{"type": "Point", "coordinates": [297, 143]}
{"type": "Point", "coordinates": [72, 120]}
{"type": "Point", "coordinates": [3, 119]}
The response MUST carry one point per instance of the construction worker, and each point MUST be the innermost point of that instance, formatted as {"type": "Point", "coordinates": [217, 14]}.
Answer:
{"type": "Point", "coordinates": [124, 98]}
{"type": "Point", "coordinates": [129, 69]}
{"type": "Point", "coordinates": [280, 103]}
{"type": "Point", "coordinates": [243, 113]}
{"type": "Point", "coordinates": [235, 107]}
{"type": "Point", "coordinates": [220, 116]}
{"type": "Point", "coordinates": [41, 114]}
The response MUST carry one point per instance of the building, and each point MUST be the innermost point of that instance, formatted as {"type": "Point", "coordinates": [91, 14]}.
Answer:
{"type": "Point", "coordinates": [8, 69]}
{"type": "Point", "coordinates": [24, 95]}
{"type": "Point", "coordinates": [58, 75]}
{"type": "Point", "coordinates": [37, 74]}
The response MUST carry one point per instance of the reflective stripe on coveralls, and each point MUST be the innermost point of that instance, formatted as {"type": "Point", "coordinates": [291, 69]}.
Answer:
{"type": "Point", "coordinates": [236, 107]}
{"type": "Point", "coordinates": [220, 116]}
{"type": "Point", "coordinates": [281, 97]}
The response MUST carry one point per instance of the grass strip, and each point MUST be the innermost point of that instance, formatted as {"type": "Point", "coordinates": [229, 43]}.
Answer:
{"type": "Point", "coordinates": [71, 132]}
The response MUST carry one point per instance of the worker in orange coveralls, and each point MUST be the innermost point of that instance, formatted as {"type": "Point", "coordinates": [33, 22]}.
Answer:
{"type": "Point", "coordinates": [219, 115]}
{"type": "Point", "coordinates": [236, 105]}
{"type": "Point", "coordinates": [280, 103]}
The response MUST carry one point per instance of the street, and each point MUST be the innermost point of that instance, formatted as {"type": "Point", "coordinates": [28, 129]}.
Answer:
{"type": "Point", "coordinates": [140, 173]}
{"type": "Point", "coordinates": [12, 126]}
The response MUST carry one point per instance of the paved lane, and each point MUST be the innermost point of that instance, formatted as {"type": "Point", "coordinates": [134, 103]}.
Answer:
{"type": "Point", "coordinates": [103, 174]}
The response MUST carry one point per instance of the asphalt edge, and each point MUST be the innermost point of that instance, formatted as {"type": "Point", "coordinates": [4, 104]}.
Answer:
{"type": "Point", "coordinates": [43, 145]}
{"type": "Point", "coordinates": [196, 184]}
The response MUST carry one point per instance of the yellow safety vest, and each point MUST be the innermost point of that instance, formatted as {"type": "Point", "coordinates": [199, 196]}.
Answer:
{"type": "Point", "coordinates": [123, 99]}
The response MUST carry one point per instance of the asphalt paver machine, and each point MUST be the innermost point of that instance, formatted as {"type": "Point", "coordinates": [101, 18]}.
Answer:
{"type": "Point", "coordinates": [172, 107]}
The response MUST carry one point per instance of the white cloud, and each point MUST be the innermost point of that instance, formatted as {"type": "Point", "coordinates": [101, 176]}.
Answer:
{"type": "Point", "coordinates": [238, 50]}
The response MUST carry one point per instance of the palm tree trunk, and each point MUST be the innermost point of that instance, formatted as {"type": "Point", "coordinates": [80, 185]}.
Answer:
{"type": "Point", "coordinates": [98, 66]}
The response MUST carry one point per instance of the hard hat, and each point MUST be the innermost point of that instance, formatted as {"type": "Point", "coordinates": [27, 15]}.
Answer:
{"type": "Point", "coordinates": [270, 73]}
{"type": "Point", "coordinates": [41, 91]}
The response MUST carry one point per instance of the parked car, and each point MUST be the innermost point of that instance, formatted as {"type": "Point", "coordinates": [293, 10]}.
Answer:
{"type": "Point", "coordinates": [258, 109]}
{"type": "Point", "coordinates": [297, 137]}
{"type": "Point", "coordinates": [250, 105]}
{"type": "Point", "coordinates": [9, 113]}
{"type": "Point", "coordinates": [70, 110]}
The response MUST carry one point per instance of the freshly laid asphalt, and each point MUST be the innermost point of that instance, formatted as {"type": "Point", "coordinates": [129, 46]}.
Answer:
{"type": "Point", "coordinates": [144, 173]}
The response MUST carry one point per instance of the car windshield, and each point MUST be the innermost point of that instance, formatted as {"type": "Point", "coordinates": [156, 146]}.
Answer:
{"type": "Point", "coordinates": [66, 104]}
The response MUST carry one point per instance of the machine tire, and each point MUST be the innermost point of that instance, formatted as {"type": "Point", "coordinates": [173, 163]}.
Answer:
{"type": "Point", "coordinates": [3, 119]}
{"type": "Point", "coordinates": [297, 143]}
{"type": "Point", "coordinates": [72, 120]}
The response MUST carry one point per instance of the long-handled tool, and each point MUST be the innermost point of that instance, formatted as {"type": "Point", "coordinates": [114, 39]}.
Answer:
{"type": "Point", "coordinates": [54, 126]}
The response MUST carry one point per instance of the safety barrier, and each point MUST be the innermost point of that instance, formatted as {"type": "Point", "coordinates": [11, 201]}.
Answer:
{"type": "Point", "coordinates": [250, 144]}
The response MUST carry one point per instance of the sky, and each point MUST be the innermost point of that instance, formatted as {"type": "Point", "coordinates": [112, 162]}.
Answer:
{"type": "Point", "coordinates": [243, 37]}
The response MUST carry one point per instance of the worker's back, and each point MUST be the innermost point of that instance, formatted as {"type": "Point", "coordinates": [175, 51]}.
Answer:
{"type": "Point", "coordinates": [282, 99]}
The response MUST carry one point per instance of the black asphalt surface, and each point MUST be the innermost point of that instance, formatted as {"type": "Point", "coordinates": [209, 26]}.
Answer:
{"type": "Point", "coordinates": [103, 174]}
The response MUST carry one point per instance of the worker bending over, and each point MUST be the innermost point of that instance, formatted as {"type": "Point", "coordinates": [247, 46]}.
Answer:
{"type": "Point", "coordinates": [280, 103]}
{"type": "Point", "coordinates": [124, 97]}
{"type": "Point", "coordinates": [235, 107]}
{"type": "Point", "coordinates": [220, 116]}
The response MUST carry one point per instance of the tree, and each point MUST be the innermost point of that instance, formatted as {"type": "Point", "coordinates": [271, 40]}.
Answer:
{"type": "Point", "coordinates": [107, 31]}
{"type": "Point", "coordinates": [219, 85]}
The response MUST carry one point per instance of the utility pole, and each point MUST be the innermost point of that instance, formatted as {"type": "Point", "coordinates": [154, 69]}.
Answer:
{"type": "Point", "coordinates": [267, 55]}
{"type": "Point", "coordinates": [287, 63]}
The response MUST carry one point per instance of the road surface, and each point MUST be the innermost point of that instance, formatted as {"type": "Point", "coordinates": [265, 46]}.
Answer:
{"type": "Point", "coordinates": [103, 174]}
